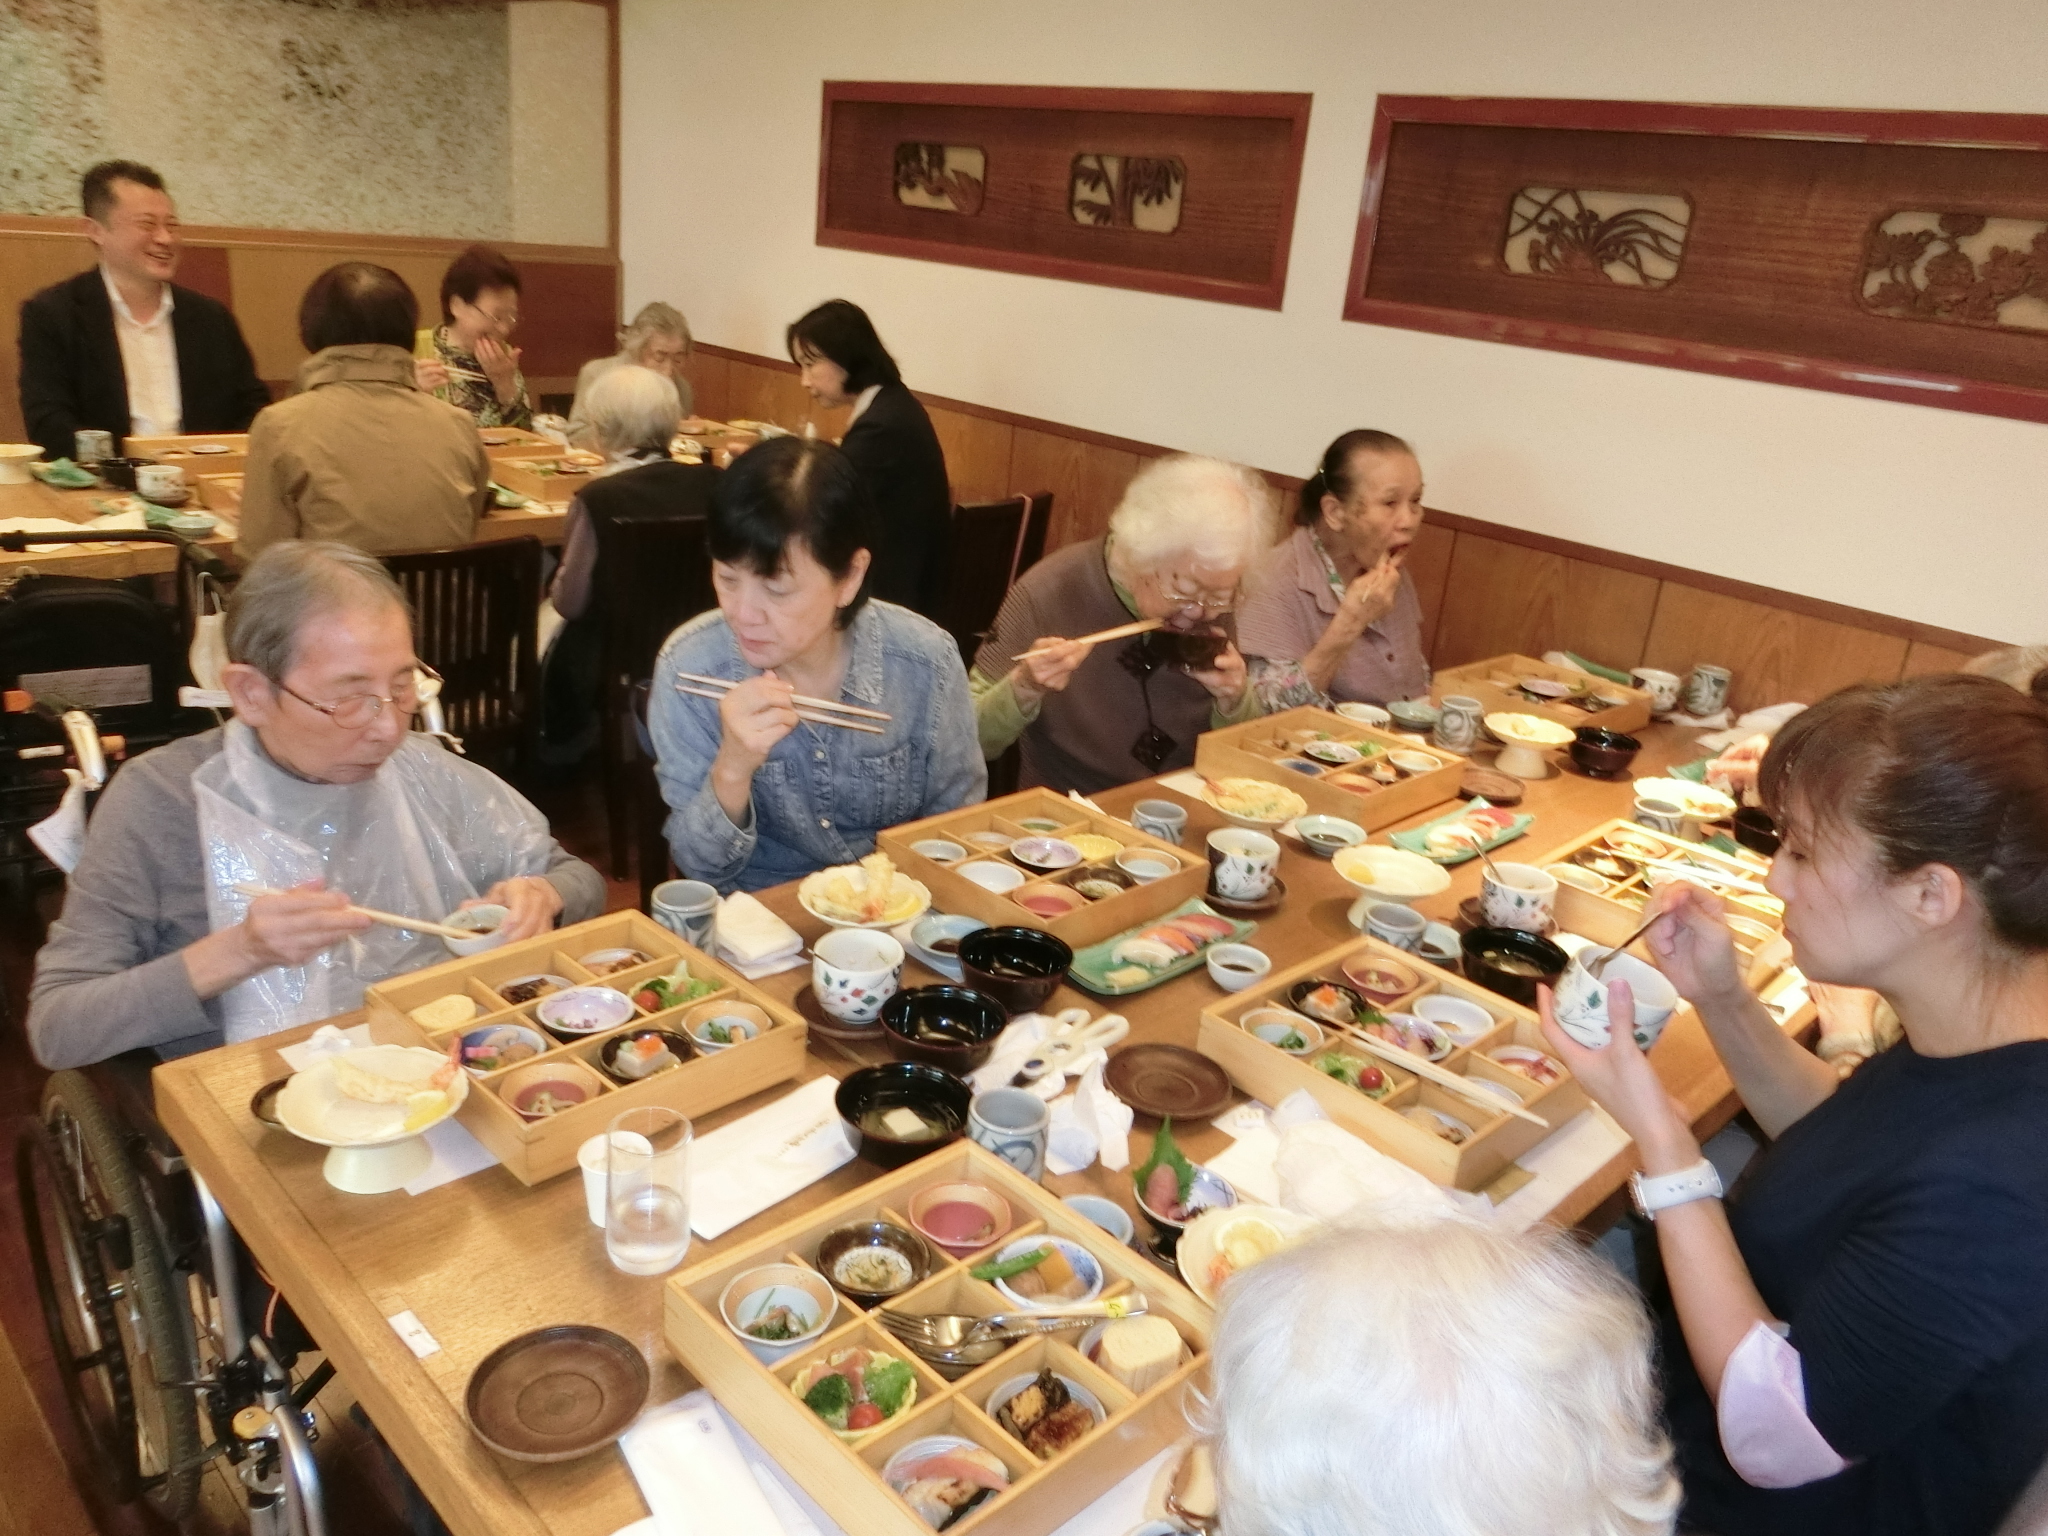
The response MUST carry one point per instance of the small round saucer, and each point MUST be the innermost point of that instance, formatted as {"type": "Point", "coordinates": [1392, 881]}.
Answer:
{"type": "Point", "coordinates": [1491, 785]}
{"type": "Point", "coordinates": [822, 1023]}
{"type": "Point", "coordinates": [1265, 903]}
{"type": "Point", "coordinates": [556, 1393]}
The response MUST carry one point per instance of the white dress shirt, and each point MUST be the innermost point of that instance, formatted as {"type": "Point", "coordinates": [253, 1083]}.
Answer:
{"type": "Point", "coordinates": [149, 357]}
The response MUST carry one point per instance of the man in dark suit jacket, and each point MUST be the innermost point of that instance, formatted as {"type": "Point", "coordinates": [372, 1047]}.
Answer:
{"type": "Point", "coordinates": [122, 347]}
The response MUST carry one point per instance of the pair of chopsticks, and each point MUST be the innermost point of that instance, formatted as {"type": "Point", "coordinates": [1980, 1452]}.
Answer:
{"type": "Point", "coordinates": [1408, 1061]}
{"type": "Point", "coordinates": [388, 919]}
{"type": "Point", "coordinates": [817, 711]}
{"type": "Point", "coordinates": [1142, 626]}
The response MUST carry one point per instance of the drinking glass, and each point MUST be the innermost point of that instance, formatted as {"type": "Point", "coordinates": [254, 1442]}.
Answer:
{"type": "Point", "coordinates": [647, 1192]}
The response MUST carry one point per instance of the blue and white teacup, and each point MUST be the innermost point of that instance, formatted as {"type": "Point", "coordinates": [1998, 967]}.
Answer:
{"type": "Point", "coordinates": [1014, 1125]}
{"type": "Point", "coordinates": [686, 908]}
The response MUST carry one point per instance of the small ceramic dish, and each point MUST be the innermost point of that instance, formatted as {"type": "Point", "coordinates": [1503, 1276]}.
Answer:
{"type": "Point", "coordinates": [1300, 765]}
{"type": "Point", "coordinates": [1095, 848]}
{"type": "Point", "coordinates": [1043, 826]}
{"type": "Point", "coordinates": [498, 1046]}
{"type": "Point", "coordinates": [842, 1260]}
{"type": "Point", "coordinates": [1097, 882]}
{"type": "Point", "coordinates": [577, 1012]}
{"type": "Point", "coordinates": [1463, 1020]}
{"type": "Point", "coordinates": [934, 940]}
{"type": "Point", "coordinates": [1001, 879]}
{"type": "Point", "coordinates": [1326, 1001]}
{"type": "Point", "coordinates": [1284, 1031]}
{"type": "Point", "coordinates": [638, 1054]}
{"type": "Point", "coordinates": [524, 989]}
{"type": "Point", "coordinates": [1105, 1213]}
{"type": "Point", "coordinates": [1045, 854]}
{"type": "Point", "coordinates": [715, 1027]}
{"type": "Point", "coordinates": [999, 841]}
{"type": "Point", "coordinates": [602, 962]}
{"type": "Point", "coordinates": [940, 850]}
{"type": "Point", "coordinates": [1328, 836]}
{"type": "Point", "coordinates": [961, 1218]}
{"type": "Point", "coordinates": [487, 922]}
{"type": "Point", "coordinates": [1233, 967]}
{"type": "Point", "coordinates": [1087, 1268]}
{"type": "Point", "coordinates": [1048, 900]}
{"type": "Point", "coordinates": [792, 1303]}
{"type": "Point", "coordinates": [1383, 982]}
{"type": "Point", "coordinates": [1145, 865]}
{"type": "Point", "coordinates": [1366, 714]}
{"type": "Point", "coordinates": [1015, 1385]}
{"type": "Point", "coordinates": [1337, 754]}
{"type": "Point", "coordinates": [1412, 762]}
{"type": "Point", "coordinates": [1415, 1035]}
{"type": "Point", "coordinates": [1499, 1090]}
{"type": "Point", "coordinates": [1435, 1121]}
{"type": "Point", "coordinates": [1414, 715]}
{"type": "Point", "coordinates": [543, 1088]}
{"type": "Point", "coordinates": [1530, 1063]}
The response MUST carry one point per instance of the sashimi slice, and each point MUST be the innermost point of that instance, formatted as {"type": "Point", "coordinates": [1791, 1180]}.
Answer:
{"type": "Point", "coordinates": [1179, 940]}
{"type": "Point", "coordinates": [980, 1468]}
{"type": "Point", "coordinates": [1203, 927]}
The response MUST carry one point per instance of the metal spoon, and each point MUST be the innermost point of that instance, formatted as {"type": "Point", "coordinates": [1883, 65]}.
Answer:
{"type": "Point", "coordinates": [1593, 971]}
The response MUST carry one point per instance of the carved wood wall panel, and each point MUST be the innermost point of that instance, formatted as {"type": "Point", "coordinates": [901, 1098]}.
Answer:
{"type": "Point", "coordinates": [1184, 192]}
{"type": "Point", "coordinates": [1789, 245]}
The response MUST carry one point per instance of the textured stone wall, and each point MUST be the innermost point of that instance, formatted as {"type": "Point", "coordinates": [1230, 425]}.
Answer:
{"type": "Point", "coordinates": [389, 117]}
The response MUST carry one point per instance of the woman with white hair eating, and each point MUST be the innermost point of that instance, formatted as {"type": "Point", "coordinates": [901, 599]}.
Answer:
{"type": "Point", "coordinates": [1437, 1381]}
{"type": "Point", "coordinates": [658, 339]}
{"type": "Point", "coordinates": [1090, 716]}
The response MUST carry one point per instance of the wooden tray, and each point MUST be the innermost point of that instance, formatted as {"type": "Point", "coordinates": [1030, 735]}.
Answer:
{"type": "Point", "coordinates": [1253, 751]}
{"type": "Point", "coordinates": [1610, 915]}
{"type": "Point", "coordinates": [535, 476]}
{"type": "Point", "coordinates": [954, 892]}
{"type": "Point", "coordinates": [1269, 1074]}
{"type": "Point", "coordinates": [1493, 684]}
{"type": "Point", "coordinates": [845, 1477]}
{"type": "Point", "coordinates": [221, 493]}
{"type": "Point", "coordinates": [177, 449]}
{"type": "Point", "coordinates": [517, 443]}
{"type": "Point", "coordinates": [539, 1149]}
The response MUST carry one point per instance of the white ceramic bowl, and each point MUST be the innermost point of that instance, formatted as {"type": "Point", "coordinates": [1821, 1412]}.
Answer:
{"type": "Point", "coordinates": [588, 1010]}
{"type": "Point", "coordinates": [1464, 1021]}
{"type": "Point", "coordinates": [1366, 714]}
{"type": "Point", "coordinates": [1581, 1001]}
{"type": "Point", "coordinates": [1105, 1213]}
{"type": "Point", "coordinates": [1327, 836]}
{"type": "Point", "coordinates": [991, 876]}
{"type": "Point", "coordinates": [1006, 1390]}
{"type": "Point", "coordinates": [1233, 967]}
{"type": "Point", "coordinates": [489, 921]}
{"type": "Point", "coordinates": [1145, 865]}
{"type": "Point", "coordinates": [754, 1292]}
{"type": "Point", "coordinates": [940, 850]}
{"type": "Point", "coordinates": [15, 459]}
{"type": "Point", "coordinates": [1275, 1026]}
{"type": "Point", "coordinates": [1390, 874]}
{"type": "Point", "coordinates": [1084, 1262]}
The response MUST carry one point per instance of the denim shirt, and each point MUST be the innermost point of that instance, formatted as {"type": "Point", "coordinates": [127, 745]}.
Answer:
{"type": "Point", "coordinates": [822, 793]}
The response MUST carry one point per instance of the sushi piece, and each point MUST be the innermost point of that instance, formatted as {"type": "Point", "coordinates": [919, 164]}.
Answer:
{"type": "Point", "coordinates": [1179, 940]}
{"type": "Point", "coordinates": [1155, 954]}
{"type": "Point", "coordinates": [943, 1487]}
{"type": "Point", "coordinates": [1203, 927]}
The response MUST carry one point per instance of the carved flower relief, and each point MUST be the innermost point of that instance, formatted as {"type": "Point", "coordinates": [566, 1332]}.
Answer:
{"type": "Point", "coordinates": [1958, 268]}
{"type": "Point", "coordinates": [945, 178]}
{"type": "Point", "coordinates": [1628, 239]}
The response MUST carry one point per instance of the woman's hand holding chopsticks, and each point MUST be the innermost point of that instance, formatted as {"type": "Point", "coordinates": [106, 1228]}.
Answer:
{"type": "Point", "coordinates": [1047, 667]}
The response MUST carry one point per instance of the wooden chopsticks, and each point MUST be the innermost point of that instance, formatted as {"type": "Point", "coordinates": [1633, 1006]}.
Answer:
{"type": "Point", "coordinates": [1408, 1061]}
{"type": "Point", "coordinates": [817, 711]}
{"type": "Point", "coordinates": [388, 919]}
{"type": "Point", "coordinates": [1139, 628]}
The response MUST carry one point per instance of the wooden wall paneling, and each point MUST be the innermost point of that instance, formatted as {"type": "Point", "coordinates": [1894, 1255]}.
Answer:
{"type": "Point", "coordinates": [1776, 655]}
{"type": "Point", "coordinates": [270, 281]}
{"type": "Point", "coordinates": [710, 383]}
{"type": "Point", "coordinates": [568, 314]}
{"type": "Point", "coordinates": [1086, 481]}
{"type": "Point", "coordinates": [1429, 567]}
{"type": "Point", "coordinates": [977, 454]}
{"type": "Point", "coordinates": [28, 264]}
{"type": "Point", "coordinates": [1505, 598]}
{"type": "Point", "coordinates": [758, 393]}
{"type": "Point", "coordinates": [1923, 658]}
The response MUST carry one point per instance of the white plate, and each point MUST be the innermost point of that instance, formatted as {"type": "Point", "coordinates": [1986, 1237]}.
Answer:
{"type": "Point", "coordinates": [313, 1107]}
{"type": "Point", "coordinates": [1201, 1244]}
{"type": "Point", "coordinates": [806, 895]}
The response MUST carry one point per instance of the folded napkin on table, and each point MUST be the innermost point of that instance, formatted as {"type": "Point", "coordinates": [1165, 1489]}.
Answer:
{"type": "Point", "coordinates": [741, 1169]}
{"type": "Point", "coordinates": [1295, 1156]}
{"type": "Point", "coordinates": [753, 939]}
{"type": "Point", "coordinates": [703, 1475]}
{"type": "Point", "coordinates": [1089, 1122]}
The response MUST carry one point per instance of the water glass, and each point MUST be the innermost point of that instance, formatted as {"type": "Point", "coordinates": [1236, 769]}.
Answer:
{"type": "Point", "coordinates": [647, 1193]}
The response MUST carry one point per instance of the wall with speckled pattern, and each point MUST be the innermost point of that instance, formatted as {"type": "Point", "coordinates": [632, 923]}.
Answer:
{"type": "Point", "coordinates": [384, 117]}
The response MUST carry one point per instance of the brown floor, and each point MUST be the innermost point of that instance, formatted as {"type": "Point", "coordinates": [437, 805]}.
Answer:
{"type": "Point", "coordinates": [47, 1486]}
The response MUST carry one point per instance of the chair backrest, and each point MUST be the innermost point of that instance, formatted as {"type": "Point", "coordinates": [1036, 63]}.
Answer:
{"type": "Point", "coordinates": [656, 573]}
{"type": "Point", "coordinates": [474, 609]}
{"type": "Point", "coordinates": [993, 544]}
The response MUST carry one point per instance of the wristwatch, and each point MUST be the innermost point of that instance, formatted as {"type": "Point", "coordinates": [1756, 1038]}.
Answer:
{"type": "Point", "coordinates": [1659, 1192]}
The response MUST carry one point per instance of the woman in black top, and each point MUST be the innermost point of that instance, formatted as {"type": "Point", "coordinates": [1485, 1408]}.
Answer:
{"type": "Point", "coordinates": [891, 443]}
{"type": "Point", "coordinates": [1859, 1342]}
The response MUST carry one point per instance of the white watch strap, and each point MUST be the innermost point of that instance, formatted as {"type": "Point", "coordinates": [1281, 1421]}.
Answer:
{"type": "Point", "coordinates": [1660, 1192]}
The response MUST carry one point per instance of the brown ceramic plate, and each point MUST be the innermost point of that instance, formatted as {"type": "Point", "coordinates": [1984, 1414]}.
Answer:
{"type": "Point", "coordinates": [556, 1393]}
{"type": "Point", "coordinates": [1491, 785]}
{"type": "Point", "coordinates": [1161, 1080]}
{"type": "Point", "coordinates": [1265, 903]}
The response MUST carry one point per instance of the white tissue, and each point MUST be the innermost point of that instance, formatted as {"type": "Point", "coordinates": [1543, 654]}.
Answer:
{"type": "Point", "coordinates": [1012, 1049]}
{"type": "Point", "coordinates": [1329, 1174]}
{"type": "Point", "coordinates": [1090, 1122]}
{"type": "Point", "coordinates": [751, 934]}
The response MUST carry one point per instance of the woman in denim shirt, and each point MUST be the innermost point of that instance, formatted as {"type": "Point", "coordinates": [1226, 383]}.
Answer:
{"type": "Point", "coordinates": [756, 795]}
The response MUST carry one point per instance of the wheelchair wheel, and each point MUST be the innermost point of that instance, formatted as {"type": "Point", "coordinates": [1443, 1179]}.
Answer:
{"type": "Point", "coordinates": [120, 1328]}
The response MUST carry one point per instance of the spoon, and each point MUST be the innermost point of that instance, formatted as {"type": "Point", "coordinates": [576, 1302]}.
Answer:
{"type": "Point", "coordinates": [1593, 971]}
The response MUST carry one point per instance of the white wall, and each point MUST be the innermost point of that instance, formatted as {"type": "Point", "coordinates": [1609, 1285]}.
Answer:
{"type": "Point", "coordinates": [1927, 514]}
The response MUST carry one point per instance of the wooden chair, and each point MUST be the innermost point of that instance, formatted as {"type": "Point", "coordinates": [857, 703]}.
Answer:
{"type": "Point", "coordinates": [993, 544]}
{"type": "Point", "coordinates": [657, 574]}
{"type": "Point", "coordinates": [474, 611]}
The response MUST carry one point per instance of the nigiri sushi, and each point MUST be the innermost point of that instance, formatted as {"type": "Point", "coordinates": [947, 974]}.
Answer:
{"type": "Point", "coordinates": [946, 1485]}
{"type": "Point", "coordinates": [1179, 940]}
{"type": "Point", "coordinates": [1153, 953]}
{"type": "Point", "coordinates": [1203, 927]}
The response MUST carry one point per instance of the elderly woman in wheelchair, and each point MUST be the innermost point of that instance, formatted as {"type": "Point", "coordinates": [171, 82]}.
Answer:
{"type": "Point", "coordinates": [215, 900]}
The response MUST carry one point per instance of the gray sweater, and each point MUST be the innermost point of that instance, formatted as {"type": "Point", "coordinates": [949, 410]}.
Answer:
{"type": "Point", "coordinates": [111, 978]}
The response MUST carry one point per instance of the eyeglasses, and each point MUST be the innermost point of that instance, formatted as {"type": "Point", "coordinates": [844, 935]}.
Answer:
{"type": "Point", "coordinates": [1197, 599]}
{"type": "Point", "coordinates": [355, 712]}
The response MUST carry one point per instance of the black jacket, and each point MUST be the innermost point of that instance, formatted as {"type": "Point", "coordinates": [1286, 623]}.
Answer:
{"type": "Point", "coordinates": [71, 374]}
{"type": "Point", "coordinates": [893, 446]}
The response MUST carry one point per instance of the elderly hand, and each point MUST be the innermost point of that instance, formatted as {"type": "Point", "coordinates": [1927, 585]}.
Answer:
{"type": "Point", "coordinates": [1693, 946]}
{"type": "Point", "coordinates": [1033, 679]}
{"type": "Point", "coordinates": [430, 373]}
{"type": "Point", "coordinates": [500, 364]}
{"type": "Point", "coordinates": [1225, 679]}
{"type": "Point", "coordinates": [531, 905]}
{"type": "Point", "coordinates": [1620, 1078]}
{"type": "Point", "coordinates": [293, 926]}
{"type": "Point", "coordinates": [1369, 597]}
{"type": "Point", "coordinates": [755, 715]}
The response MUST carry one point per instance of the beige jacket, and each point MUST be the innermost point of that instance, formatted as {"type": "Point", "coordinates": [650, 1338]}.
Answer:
{"type": "Point", "coordinates": [359, 454]}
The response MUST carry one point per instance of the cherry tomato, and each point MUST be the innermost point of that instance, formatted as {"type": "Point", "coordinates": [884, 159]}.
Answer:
{"type": "Point", "coordinates": [1372, 1077]}
{"type": "Point", "coordinates": [863, 1416]}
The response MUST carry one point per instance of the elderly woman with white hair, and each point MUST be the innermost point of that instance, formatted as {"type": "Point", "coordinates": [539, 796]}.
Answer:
{"type": "Point", "coordinates": [1437, 1381]}
{"type": "Point", "coordinates": [658, 338]}
{"type": "Point", "coordinates": [213, 897]}
{"type": "Point", "coordinates": [1089, 717]}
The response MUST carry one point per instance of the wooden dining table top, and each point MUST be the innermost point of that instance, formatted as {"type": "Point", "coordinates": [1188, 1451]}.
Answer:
{"type": "Point", "coordinates": [484, 1258]}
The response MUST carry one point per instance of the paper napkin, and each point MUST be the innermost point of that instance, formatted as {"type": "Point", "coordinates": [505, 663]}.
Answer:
{"type": "Point", "coordinates": [741, 1169]}
{"type": "Point", "coordinates": [703, 1475]}
{"type": "Point", "coordinates": [753, 940]}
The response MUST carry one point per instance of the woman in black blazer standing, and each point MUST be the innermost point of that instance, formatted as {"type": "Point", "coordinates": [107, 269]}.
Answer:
{"type": "Point", "coordinates": [891, 443]}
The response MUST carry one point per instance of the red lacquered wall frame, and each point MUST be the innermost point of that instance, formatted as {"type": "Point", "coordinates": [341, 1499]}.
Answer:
{"type": "Point", "coordinates": [1783, 308]}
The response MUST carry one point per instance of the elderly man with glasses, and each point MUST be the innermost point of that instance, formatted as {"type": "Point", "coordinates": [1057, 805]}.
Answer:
{"type": "Point", "coordinates": [1091, 716]}
{"type": "Point", "coordinates": [214, 897]}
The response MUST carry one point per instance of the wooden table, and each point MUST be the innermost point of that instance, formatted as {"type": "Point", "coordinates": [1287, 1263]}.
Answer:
{"type": "Point", "coordinates": [483, 1259]}
{"type": "Point", "coordinates": [113, 559]}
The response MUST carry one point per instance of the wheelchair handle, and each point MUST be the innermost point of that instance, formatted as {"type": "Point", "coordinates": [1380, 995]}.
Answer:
{"type": "Point", "coordinates": [200, 558]}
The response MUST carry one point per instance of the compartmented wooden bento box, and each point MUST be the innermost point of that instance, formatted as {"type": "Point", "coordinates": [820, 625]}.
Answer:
{"type": "Point", "coordinates": [1269, 1073]}
{"type": "Point", "coordinates": [537, 1149]}
{"type": "Point", "coordinates": [1257, 748]}
{"type": "Point", "coordinates": [197, 453]}
{"type": "Point", "coordinates": [845, 1474]}
{"type": "Point", "coordinates": [1496, 683]}
{"type": "Point", "coordinates": [1040, 812]}
{"type": "Point", "coordinates": [1610, 913]}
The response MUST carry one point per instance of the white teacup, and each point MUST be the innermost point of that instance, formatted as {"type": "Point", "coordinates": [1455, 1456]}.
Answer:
{"type": "Point", "coordinates": [154, 480]}
{"type": "Point", "coordinates": [1581, 1002]}
{"type": "Point", "coordinates": [854, 971]}
{"type": "Point", "coordinates": [1662, 687]}
{"type": "Point", "coordinates": [1522, 896]}
{"type": "Point", "coordinates": [1242, 864]}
